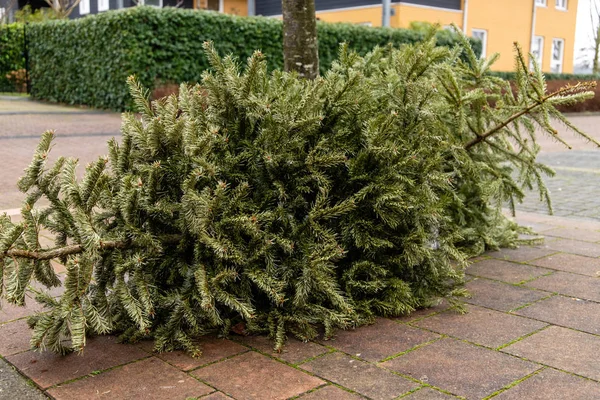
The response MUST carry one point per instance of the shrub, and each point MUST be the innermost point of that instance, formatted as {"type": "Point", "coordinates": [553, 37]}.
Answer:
{"type": "Point", "coordinates": [11, 54]}
{"type": "Point", "coordinates": [280, 203]}
{"type": "Point", "coordinates": [87, 61]}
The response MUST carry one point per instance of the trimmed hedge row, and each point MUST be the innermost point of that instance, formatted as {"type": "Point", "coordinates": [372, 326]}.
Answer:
{"type": "Point", "coordinates": [87, 61]}
{"type": "Point", "coordinates": [11, 54]}
{"type": "Point", "coordinates": [510, 76]}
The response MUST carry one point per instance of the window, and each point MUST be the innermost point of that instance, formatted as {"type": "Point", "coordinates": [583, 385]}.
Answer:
{"type": "Point", "coordinates": [561, 4]}
{"type": "Point", "coordinates": [481, 34]}
{"type": "Point", "coordinates": [214, 5]}
{"type": "Point", "coordinates": [558, 50]}
{"type": "Point", "coordinates": [84, 7]}
{"type": "Point", "coordinates": [152, 3]}
{"type": "Point", "coordinates": [541, 3]}
{"type": "Point", "coordinates": [103, 5]}
{"type": "Point", "coordinates": [537, 49]}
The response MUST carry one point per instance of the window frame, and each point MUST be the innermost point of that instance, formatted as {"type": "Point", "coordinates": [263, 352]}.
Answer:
{"type": "Point", "coordinates": [84, 7]}
{"type": "Point", "coordinates": [540, 58]}
{"type": "Point", "coordinates": [564, 5]}
{"type": "Point", "coordinates": [541, 3]}
{"type": "Point", "coordinates": [560, 62]}
{"type": "Point", "coordinates": [483, 41]}
{"type": "Point", "coordinates": [103, 2]}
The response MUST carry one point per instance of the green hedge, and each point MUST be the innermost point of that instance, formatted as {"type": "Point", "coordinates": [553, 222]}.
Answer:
{"type": "Point", "coordinates": [87, 61]}
{"type": "Point", "coordinates": [510, 76]}
{"type": "Point", "coordinates": [11, 53]}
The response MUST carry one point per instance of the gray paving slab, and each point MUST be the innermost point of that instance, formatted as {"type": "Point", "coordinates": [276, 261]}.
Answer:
{"type": "Point", "coordinates": [13, 386]}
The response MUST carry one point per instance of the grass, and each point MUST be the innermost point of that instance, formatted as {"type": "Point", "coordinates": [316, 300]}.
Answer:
{"type": "Point", "coordinates": [14, 94]}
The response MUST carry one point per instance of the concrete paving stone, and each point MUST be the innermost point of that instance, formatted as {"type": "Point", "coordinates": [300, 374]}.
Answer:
{"type": "Point", "coordinates": [575, 234]}
{"type": "Point", "coordinates": [550, 384]}
{"type": "Point", "coordinates": [427, 393]}
{"type": "Point", "coordinates": [561, 348]}
{"type": "Point", "coordinates": [583, 287]}
{"type": "Point", "coordinates": [573, 246]}
{"type": "Point", "coordinates": [150, 379]}
{"type": "Point", "coordinates": [570, 263]}
{"type": "Point", "coordinates": [213, 349]}
{"type": "Point", "coordinates": [566, 311]}
{"type": "Point", "coordinates": [48, 369]}
{"type": "Point", "coordinates": [330, 393]}
{"type": "Point", "coordinates": [481, 326]}
{"type": "Point", "coordinates": [359, 376]}
{"type": "Point", "coordinates": [383, 339]}
{"type": "Point", "coordinates": [216, 396]}
{"type": "Point", "coordinates": [506, 271]}
{"type": "Point", "coordinates": [521, 254]}
{"type": "Point", "coordinates": [293, 352]}
{"type": "Point", "coordinates": [252, 376]}
{"type": "Point", "coordinates": [460, 368]}
{"type": "Point", "coordinates": [500, 296]}
{"type": "Point", "coordinates": [14, 387]}
{"type": "Point", "coordinates": [14, 337]}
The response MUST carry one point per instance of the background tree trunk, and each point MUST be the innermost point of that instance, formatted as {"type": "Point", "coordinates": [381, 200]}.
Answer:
{"type": "Point", "coordinates": [300, 48]}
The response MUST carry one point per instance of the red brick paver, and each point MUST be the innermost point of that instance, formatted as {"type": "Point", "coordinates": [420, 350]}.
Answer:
{"type": "Point", "coordinates": [428, 394]}
{"type": "Point", "coordinates": [294, 351]}
{"type": "Point", "coordinates": [461, 368]}
{"type": "Point", "coordinates": [383, 339]}
{"type": "Point", "coordinates": [566, 311]}
{"type": "Point", "coordinates": [562, 348]}
{"type": "Point", "coordinates": [47, 369]}
{"type": "Point", "coordinates": [570, 263]}
{"type": "Point", "coordinates": [501, 296]}
{"type": "Point", "coordinates": [150, 379]}
{"type": "Point", "coordinates": [521, 254]}
{"type": "Point", "coordinates": [481, 326]}
{"type": "Point", "coordinates": [360, 376]}
{"type": "Point", "coordinates": [254, 376]}
{"type": "Point", "coordinates": [573, 246]}
{"type": "Point", "coordinates": [14, 337]}
{"type": "Point", "coordinates": [550, 384]}
{"type": "Point", "coordinates": [506, 271]}
{"type": "Point", "coordinates": [213, 349]}
{"type": "Point", "coordinates": [584, 287]}
{"type": "Point", "coordinates": [585, 235]}
{"type": "Point", "coordinates": [330, 393]}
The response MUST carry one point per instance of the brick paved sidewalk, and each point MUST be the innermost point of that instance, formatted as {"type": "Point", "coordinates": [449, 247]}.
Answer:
{"type": "Point", "coordinates": [80, 133]}
{"type": "Point", "coordinates": [532, 332]}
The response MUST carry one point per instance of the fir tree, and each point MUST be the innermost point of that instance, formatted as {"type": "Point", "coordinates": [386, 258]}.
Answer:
{"type": "Point", "coordinates": [283, 203]}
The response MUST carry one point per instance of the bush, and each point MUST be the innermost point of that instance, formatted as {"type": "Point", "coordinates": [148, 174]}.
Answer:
{"type": "Point", "coordinates": [87, 61]}
{"type": "Point", "coordinates": [11, 54]}
{"type": "Point", "coordinates": [589, 105]}
{"type": "Point", "coordinates": [510, 76]}
{"type": "Point", "coordinates": [282, 204]}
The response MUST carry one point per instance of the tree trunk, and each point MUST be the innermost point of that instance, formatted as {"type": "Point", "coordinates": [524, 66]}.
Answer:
{"type": "Point", "coordinates": [300, 48]}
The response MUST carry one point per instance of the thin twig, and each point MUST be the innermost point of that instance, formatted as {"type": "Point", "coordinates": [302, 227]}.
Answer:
{"type": "Point", "coordinates": [77, 249]}
{"type": "Point", "coordinates": [484, 136]}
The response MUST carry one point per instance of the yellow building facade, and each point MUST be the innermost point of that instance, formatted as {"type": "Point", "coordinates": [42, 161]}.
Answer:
{"type": "Point", "coordinates": [545, 28]}
{"type": "Point", "coordinates": [498, 23]}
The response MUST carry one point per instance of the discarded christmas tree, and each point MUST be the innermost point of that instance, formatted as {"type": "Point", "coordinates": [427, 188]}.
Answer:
{"type": "Point", "coordinates": [282, 203]}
